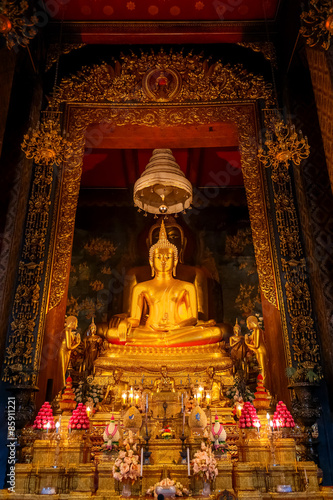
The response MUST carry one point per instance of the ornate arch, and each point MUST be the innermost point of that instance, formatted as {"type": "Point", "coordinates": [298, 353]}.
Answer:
{"type": "Point", "coordinates": [197, 93]}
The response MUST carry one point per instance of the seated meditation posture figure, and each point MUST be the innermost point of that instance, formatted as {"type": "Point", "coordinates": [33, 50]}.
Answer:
{"type": "Point", "coordinates": [164, 311]}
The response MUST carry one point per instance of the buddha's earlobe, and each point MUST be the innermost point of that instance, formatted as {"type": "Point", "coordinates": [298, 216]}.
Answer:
{"type": "Point", "coordinates": [152, 269]}
{"type": "Point", "coordinates": [174, 269]}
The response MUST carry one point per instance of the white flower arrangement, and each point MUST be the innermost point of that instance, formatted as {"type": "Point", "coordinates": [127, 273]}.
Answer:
{"type": "Point", "coordinates": [204, 463]}
{"type": "Point", "coordinates": [167, 483]}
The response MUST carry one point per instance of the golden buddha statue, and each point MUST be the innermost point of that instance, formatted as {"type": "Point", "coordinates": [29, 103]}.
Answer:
{"type": "Point", "coordinates": [256, 343]}
{"type": "Point", "coordinates": [200, 277]}
{"type": "Point", "coordinates": [165, 382]}
{"type": "Point", "coordinates": [69, 341]}
{"type": "Point", "coordinates": [164, 310]}
{"type": "Point", "coordinates": [237, 343]}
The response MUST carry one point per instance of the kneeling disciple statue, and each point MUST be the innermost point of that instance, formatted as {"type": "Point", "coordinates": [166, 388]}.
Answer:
{"type": "Point", "coordinates": [164, 310]}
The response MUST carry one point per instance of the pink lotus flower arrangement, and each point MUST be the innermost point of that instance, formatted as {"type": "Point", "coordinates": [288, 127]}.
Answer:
{"type": "Point", "coordinates": [249, 418]}
{"type": "Point", "coordinates": [45, 419]}
{"type": "Point", "coordinates": [204, 463]}
{"type": "Point", "coordinates": [170, 484]}
{"type": "Point", "coordinates": [282, 416]}
{"type": "Point", "coordinates": [127, 466]}
{"type": "Point", "coordinates": [79, 419]}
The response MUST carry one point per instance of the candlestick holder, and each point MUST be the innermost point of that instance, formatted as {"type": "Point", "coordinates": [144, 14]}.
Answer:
{"type": "Point", "coordinates": [146, 452]}
{"type": "Point", "coordinates": [183, 453]}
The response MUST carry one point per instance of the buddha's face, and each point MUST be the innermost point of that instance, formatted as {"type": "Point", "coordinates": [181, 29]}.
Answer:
{"type": "Point", "coordinates": [173, 234]}
{"type": "Point", "coordinates": [237, 330]}
{"type": "Point", "coordinates": [163, 259]}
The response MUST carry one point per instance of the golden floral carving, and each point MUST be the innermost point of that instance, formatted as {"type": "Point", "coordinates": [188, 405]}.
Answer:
{"type": "Point", "coordinates": [298, 300]}
{"type": "Point", "coordinates": [242, 115]}
{"type": "Point", "coordinates": [197, 80]}
{"type": "Point", "coordinates": [317, 24]}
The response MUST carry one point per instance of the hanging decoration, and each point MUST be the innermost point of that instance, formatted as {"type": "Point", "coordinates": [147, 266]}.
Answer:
{"type": "Point", "coordinates": [45, 144]}
{"type": "Point", "coordinates": [15, 24]}
{"type": "Point", "coordinates": [283, 144]}
{"type": "Point", "coordinates": [162, 187]}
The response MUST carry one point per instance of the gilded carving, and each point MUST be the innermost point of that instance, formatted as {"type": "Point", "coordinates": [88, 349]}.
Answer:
{"type": "Point", "coordinates": [22, 337]}
{"type": "Point", "coordinates": [182, 78]}
{"type": "Point", "coordinates": [303, 335]}
{"type": "Point", "coordinates": [317, 24]}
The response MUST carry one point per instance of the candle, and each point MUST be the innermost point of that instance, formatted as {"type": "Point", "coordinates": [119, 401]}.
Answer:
{"type": "Point", "coordinates": [131, 395]}
{"type": "Point", "coordinates": [57, 427]}
{"type": "Point", "coordinates": [146, 403]}
{"type": "Point", "coordinates": [182, 403]}
{"type": "Point", "coordinates": [268, 416]}
{"type": "Point", "coordinates": [305, 475]}
{"type": "Point", "coordinates": [183, 421]}
{"type": "Point", "coordinates": [136, 398]}
{"type": "Point", "coordinates": [47, 427]}
{"type": "Point", "coordinates": [208, 399]}
{"type": "Point", "coordinates": [88, 411]}
{"type": "Point", "coordinates": [188, 462]}
{"type": "Point", "coordinates": [141, 461]}
{"type": "Point", "coordinates": [124, 398]}
{"type": "Point", "coordinates": [266, 467]}
{"type": "Point", "coordinates": [238, 410]}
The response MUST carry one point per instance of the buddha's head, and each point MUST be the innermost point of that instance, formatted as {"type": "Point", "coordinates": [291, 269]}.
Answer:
{"type": "Point", "coordinates": [175, 235]}
{"type": "Point", "coordinates": [252, 322]}
{"type": "Point", "coordinates": [71, 322]}
{"type": "Point", "coordinates": [164, 371]}
{"type": "Point", "coordinates": [237, 329]}
{"type": "Point", "coordinates": [163, 256]}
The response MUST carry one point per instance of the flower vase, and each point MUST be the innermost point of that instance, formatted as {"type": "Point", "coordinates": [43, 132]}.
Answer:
{"type": "Point", "coordinates": [127, 490]}
{"type": "Point", "coordinates": [206, 491]}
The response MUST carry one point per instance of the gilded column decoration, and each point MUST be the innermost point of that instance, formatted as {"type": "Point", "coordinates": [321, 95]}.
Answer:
{"type": "Point", "coordinates": [317, 24]}
{"type": "Point", "coordinates": [284, 145]}
{"type": "Point", "coordinates": [19, 358]}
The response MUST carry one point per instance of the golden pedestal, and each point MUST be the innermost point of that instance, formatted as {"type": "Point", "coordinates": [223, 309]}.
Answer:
{"type": "Point", "coordinates": [165, 451]}
{"type": "Point", "coordinates": [254, 450]}
{"type": "Point", "coordinates": [189, 359]}
{"type": "Point", "coordinates": [44, 452]}
{"type": "Point", "coordinates": [285, 451]}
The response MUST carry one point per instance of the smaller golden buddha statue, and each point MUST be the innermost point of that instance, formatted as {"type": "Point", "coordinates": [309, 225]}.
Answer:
{"type": "Point", "coordinates": [164, 310]}
{"type": "Point", "coordinates": [256, 343]}
{"type": "Point", "coordinates": [215, 385]}
{"type": "Point", "coordinates": [70, 341]}
{"type": "Point", "coordinates": [92, 348]}
{"type": "Point", "coordinates": [114, 389]}
{"type": "Point", "coordinates": [165, 382]}
{"type": "Point", "coordinates": [237, 344]}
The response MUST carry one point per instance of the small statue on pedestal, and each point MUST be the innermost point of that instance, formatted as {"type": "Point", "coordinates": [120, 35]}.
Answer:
{"type": "Point", "coordinates": [165, 382]}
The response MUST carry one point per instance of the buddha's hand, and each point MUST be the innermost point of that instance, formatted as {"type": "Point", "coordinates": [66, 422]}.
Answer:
{"type": "Point", "coordinates": [125, 327]}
